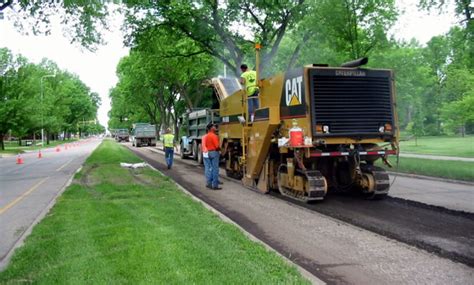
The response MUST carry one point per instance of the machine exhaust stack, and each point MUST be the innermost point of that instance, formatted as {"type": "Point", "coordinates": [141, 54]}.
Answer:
{"type": "Point", "coordinates": [257, 62]}
{"type": "Point", "coordinates": [356, 63]}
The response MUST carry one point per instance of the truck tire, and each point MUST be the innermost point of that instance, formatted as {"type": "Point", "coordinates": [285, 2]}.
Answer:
{"type": "Point", "coordinates": [181, 151]}
{"type": "Point", "coordinates": [194, 156]}
{"type": "Point", "coordinates": [200, 158]}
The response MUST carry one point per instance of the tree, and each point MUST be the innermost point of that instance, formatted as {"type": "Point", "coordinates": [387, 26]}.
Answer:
{"type": "Point", "coordinates": [463, 9]}
{"type": "Point", "coordinates": [226, 31]}
{"type": "Point", "coordinates": [354, 27]}
{"type": "Point", "coordinates": [83, 21]}
{"type": "Point", "coordinates": [9, 99]}
{"type": "Point", "coordinates": [457, 113]}
{"type": "Point", "coordinates": [161, 77]}
{"type": "Point", "coordinates": [31, 101]}
{"type": "Point", "coordinates": [16, 94]}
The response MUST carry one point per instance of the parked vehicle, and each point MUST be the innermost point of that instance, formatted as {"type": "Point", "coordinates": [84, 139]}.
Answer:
{"type": "Point", "coordinates": [122, 135]}
{"type": "Point", "coordinates": [143, 134]}
{"type": "Point", "coordinates": [195, 124]}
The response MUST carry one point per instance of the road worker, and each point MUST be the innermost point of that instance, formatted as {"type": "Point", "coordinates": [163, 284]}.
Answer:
{"type": "Point", "coordinates": [213, 149]}
{"type": "Point", "coordinates": [207, 161]}
{"type": "Point", "coordinates": [169, 144]}
{"type": "Point", "coordinates": [248, 79]}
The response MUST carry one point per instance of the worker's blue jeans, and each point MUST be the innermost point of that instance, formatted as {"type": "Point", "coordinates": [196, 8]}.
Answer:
{"type": "Point", "coordinates": [214, 171]}
{"type": "Point", "coordinates": [253, 105]}
{"type": "Point", "coordinates": [169, 156]}
{"type": "Point", "coordinates": [207, 171]}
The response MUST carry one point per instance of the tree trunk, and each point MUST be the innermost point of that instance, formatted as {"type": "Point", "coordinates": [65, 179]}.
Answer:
{"type": "Point", "coordinates": [2, 144]}
{"type": "Point", "coordinates": [19, 141]}
{"type": "Point", "coordinates": [409, 114]}
{"type": "Point", "coordinates": [158, 129]}
{"type": "Point", "coordinates": [176, 130]}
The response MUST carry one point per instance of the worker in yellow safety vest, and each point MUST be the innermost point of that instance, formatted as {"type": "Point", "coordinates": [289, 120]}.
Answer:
{"type": "Point", "coordinates": [248, 79]}
{"type": "Point", "coordinates": [169, 144]}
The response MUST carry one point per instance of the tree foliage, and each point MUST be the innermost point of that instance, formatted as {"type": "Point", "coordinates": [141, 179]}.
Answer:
{"type": "Point", "coordinates": [176, 44]}
{"type": "Point", "coordinates": [159, 80]}
{"type": "Point", "coordinates": [32, 98]}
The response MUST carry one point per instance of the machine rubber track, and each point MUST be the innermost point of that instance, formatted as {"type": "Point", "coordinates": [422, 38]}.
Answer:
{"type": "Point", "coordinates": [317, 186]}
{"type": "Point", "coordinates": [382, 181]}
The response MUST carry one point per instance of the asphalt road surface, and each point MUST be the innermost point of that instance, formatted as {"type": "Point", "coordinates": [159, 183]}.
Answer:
{"type": "Point", "coordinates": [453, 196]}
{"type": "Point", "coordinates": [345, 239]}
{"type": "Point", "coordinates": [28, 190]}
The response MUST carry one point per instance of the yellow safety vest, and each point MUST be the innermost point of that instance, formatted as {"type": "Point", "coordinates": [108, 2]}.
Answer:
{"type": "Point", "coordinates": [250, 82]}
{"type": "Point", "coordinates": [168, 140]}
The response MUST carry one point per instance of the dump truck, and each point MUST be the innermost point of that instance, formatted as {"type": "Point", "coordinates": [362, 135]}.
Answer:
{"type": "Point", "coordinates": [122, 135]}
{"type": "Point", "coordinates": [194, 124]}
{"type": "Point", "coordinates": [317, 129]}
{"type": "Point", "coordinates": [143, 134]}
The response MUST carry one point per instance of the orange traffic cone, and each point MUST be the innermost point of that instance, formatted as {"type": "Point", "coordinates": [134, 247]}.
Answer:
{"type": "Point", "coordinates": [58, 149]}
{"type": "Point", "coordinates": [39, 154]}
{"type": "Point", "coordinates": [19, 159]}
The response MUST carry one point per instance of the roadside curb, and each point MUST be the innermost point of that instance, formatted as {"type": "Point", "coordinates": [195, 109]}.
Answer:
{"type": "Point", "coordinates": [3, 155]}
{"type": "Point", "coordinates": [440, 179]}
{"type": "Point", "coordinates": [312, 278]}
{"type": "Point", "coordinates": [4, 263]}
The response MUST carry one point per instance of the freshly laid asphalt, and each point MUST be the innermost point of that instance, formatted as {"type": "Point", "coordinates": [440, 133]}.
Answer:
{"type": "Point", "coordinates": [28, 190]}
{"type": "Point", "coordinates": [328, 244]}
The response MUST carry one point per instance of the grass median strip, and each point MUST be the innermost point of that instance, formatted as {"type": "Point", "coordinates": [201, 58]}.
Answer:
{"type": "Point", "coordinates": [459, 170]}
{"type": "Point", "coordinates": [115, 225]}
{"type": "Point", "coordinates": [440, 145]}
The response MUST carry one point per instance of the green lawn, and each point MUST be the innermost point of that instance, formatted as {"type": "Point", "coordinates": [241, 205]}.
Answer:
{"type": "Point", "coordinates": [441, 145]}
{"type": "Point", "coordinates": [120, 226]}
{"type": "Point", "coordinates": [12, 147]}
{"type": "Point", "coordinates": [459, 170]}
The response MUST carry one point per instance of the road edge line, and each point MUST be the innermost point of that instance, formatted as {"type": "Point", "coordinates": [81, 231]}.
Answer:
{"type": "Point", "coordinates": [305, 273]}
{"type": "Point", "coordinates": [5, 261]}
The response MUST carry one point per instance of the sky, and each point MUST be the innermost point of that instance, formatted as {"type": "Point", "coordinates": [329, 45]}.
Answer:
{"type": "Point", "coordinates": [97, 70]}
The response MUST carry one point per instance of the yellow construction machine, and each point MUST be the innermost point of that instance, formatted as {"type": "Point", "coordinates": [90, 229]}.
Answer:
{"type": "Point", "coordinates": [316, 128]}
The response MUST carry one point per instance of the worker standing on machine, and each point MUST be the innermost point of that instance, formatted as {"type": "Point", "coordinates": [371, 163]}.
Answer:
{"type": "Point", "coordinates": [249, 80]}
{"type": "Point", "coordinates": [168, 142]}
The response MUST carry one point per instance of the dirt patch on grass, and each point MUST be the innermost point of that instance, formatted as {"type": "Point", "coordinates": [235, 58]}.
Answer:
{"type": "Point", "coordinates": [85, 180]}
{"type": "Point", "coordinates": [88, 177]}
{"type": "Point", "coordinates": [85, 177]}
{"type": "Point", "coordinates": [143, 179]}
